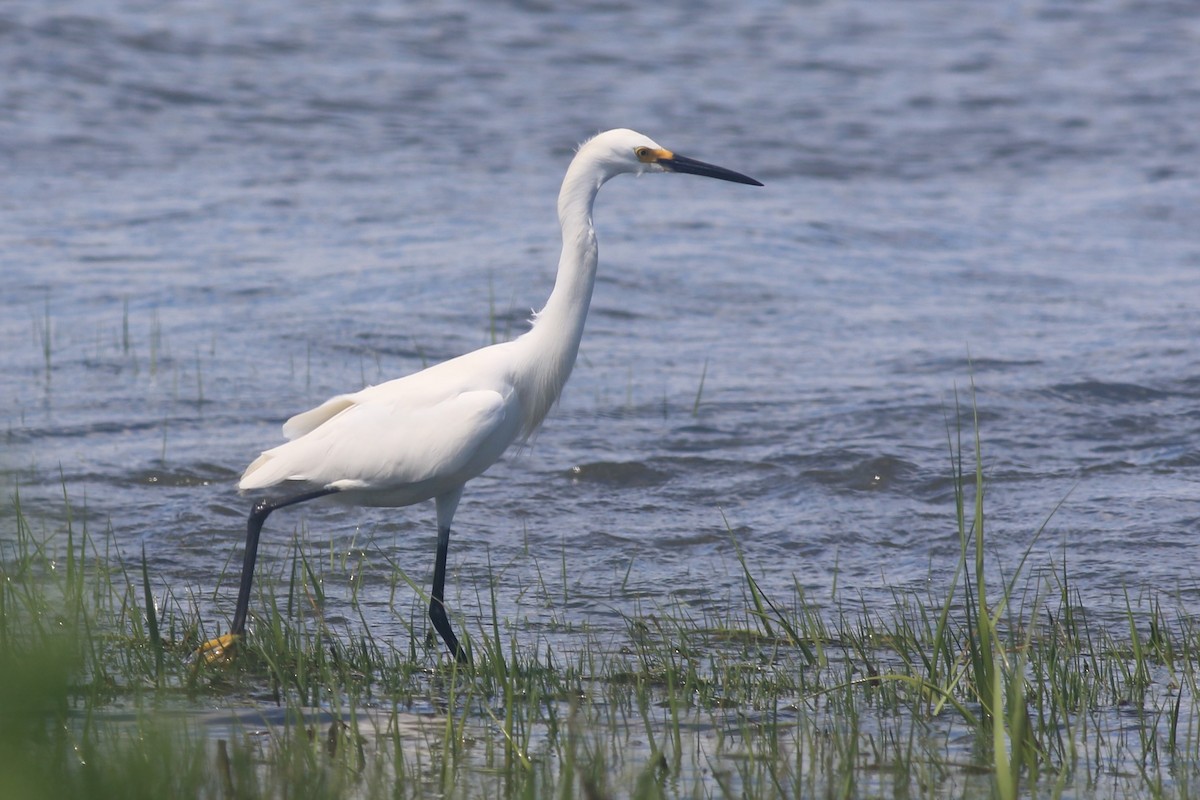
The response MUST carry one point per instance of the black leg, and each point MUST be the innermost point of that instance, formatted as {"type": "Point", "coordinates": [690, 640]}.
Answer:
{"type": "Point", "coordinates": [258, 515]}
{"type": "Point", "coordinates": [446, 505]}
{"type": "Point", "coordinates": [437, 604]}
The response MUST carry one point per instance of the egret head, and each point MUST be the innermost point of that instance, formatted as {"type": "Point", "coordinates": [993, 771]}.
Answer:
{"type": "Point", "coordinates": [622, 150]}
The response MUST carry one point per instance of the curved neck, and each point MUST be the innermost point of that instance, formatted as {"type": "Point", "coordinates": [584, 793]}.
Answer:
{"type": "Point", "coordinates": [566, 310]}
{"type": "Point", "coordinates": [553, 342]}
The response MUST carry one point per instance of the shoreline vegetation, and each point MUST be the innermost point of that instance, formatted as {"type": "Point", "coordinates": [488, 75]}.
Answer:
{"type": "Point", "coordinates": [993, 683]}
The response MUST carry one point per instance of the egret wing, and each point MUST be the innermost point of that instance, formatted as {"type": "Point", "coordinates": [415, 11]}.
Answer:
{"type": "Point", "coordinates": [425, 388]}
{"type": "Point", "coordinates": [394, 447]}
{"type": "Point", "coordinates": [310, 420]}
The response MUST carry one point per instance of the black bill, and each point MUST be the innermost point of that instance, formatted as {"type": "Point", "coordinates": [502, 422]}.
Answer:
{"type": "Point", "coordinates": [691, 166]}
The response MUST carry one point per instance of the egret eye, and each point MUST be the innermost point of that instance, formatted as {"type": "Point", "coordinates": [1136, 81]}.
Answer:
{"type": "Point", "coordinates": [643, 153]}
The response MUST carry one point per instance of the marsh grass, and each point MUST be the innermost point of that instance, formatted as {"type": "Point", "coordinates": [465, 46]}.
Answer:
{"type": "Point", "coordinates": [994, 683]}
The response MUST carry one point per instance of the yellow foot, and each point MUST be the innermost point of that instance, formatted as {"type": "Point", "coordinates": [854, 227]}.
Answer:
{"type": "Point", "coordinates": [219, 650]}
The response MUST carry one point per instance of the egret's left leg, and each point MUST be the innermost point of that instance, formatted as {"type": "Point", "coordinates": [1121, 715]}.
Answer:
{"type": "Point", "coordinates": [218, 649]}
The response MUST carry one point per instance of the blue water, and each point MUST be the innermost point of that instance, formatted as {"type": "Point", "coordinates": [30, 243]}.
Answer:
{"type": "Point", "coordinates": [217, 215]}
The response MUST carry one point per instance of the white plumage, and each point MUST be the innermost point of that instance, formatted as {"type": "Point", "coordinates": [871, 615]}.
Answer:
{"type": "Point", "coordinates": [425, 435]}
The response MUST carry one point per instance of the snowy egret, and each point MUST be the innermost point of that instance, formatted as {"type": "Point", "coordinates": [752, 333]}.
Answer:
{"type": "Point", "coordinates": [425, 435]}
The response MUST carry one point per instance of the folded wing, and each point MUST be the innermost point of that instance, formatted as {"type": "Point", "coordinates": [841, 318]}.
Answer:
{"type": "Point", "coordinates": [390, 447]}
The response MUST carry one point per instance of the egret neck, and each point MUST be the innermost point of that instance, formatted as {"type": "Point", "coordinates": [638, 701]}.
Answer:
{"type": "Point", "coordinates": [551, 345]}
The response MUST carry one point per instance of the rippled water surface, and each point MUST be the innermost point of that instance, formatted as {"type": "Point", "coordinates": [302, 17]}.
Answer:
{"type": "Point", "coordinates": [219, 214]}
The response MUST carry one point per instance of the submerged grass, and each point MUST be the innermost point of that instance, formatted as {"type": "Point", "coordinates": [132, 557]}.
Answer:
{"type": "Point", "coordinates": [993, 684]}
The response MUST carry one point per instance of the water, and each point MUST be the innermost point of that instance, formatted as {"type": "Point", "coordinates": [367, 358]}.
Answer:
{"type": "Point", "coordinates": [219, 214]}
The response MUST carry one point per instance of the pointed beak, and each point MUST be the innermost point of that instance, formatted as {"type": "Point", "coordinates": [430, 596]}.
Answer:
{"type": "Point", "coordinates": [690, 166]}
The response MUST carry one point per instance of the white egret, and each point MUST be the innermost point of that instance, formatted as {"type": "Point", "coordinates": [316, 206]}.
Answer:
{"type": "Point", "coordinates": [425, 435]}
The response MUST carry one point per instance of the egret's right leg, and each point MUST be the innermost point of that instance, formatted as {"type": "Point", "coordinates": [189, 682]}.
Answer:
{"type": "Point", "coordinates": [215, 649]}
{"type": "Point", "coordinates": [446, 505]}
